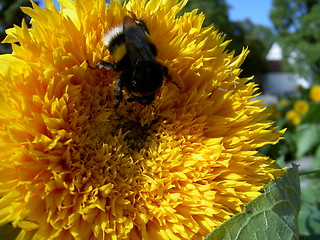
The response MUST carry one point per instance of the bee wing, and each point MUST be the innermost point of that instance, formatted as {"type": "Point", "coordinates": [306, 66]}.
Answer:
{"type": "Point", "coordinates": [137, 44]}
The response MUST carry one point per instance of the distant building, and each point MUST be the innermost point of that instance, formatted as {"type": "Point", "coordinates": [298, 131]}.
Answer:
{"type": "Point", "coordinates": [274, 58]}
{"type": "Point", "coordinates": [276, 81]}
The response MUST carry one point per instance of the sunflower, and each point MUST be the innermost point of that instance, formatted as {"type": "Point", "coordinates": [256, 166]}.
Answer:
{"type": "Point", "coordinates": [74, 167]}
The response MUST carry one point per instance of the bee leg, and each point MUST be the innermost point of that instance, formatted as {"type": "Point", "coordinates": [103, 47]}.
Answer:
{"type": "Point", "coordinates": [103, 65]}
{"type": "Point", "coordinates": [106, 65]}
{"type": "Point", "coordinates": [118, 94]}
{"type": "Point", "coordinates": [165, 73]}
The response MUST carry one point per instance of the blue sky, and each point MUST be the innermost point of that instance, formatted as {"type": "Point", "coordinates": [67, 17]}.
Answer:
{"type": "Point", "coordinates": [256, 10]}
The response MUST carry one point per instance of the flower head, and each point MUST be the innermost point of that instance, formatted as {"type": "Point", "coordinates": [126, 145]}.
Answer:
{"type": "Point", "coordinates": [293, 117]}
{"type": "Point", "coordinates": [301, 107]}
{"type": "Point", "coordinates": [315, 93]}
{"type": "Point", "coordinates": [74, 167]}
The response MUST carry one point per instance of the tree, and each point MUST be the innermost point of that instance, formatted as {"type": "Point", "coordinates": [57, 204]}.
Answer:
{"type": "Point", "coordinates": [298, 24]}
{"type": "Point", "coordinates": [216, 12]}
{"type": "Point", "coordinates": [259, 39]}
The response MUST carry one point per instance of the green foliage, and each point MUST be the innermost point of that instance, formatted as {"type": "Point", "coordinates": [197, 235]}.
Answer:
{"type": "Point", "coordinates": [298, 24]}
{"type": "Point", "coordinates": [272, 215]}
{"type": "Point", "coordinates": [10, 13]}
{"type": "Point", "coordinates": [309, 218]}
{"type": "Point", "coordinates": [301, 142]}
{"type": "Point", "coordinates": [308, 136]}
{"type": "Point", "coordinates": [302, 137]}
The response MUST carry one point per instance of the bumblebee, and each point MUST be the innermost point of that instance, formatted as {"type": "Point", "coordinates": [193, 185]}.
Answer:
{"type": "Point", "coordinates": [134, 53]}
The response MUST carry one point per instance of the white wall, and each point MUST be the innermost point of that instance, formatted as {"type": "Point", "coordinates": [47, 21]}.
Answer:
{"type": "Point", "coordinates": [278, 83]}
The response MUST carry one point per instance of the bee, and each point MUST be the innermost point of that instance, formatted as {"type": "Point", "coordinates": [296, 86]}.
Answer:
{"type": "Point", "coordinates": [140, 74]}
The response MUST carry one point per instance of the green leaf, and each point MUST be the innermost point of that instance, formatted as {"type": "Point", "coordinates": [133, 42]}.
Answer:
{"type": "Point", "coordinates": [309, 217]}
{"type": "Point", "coordinates": [316, 161]}
{"type": "Point", "coordinates": [308, 137]}
{"type": "Point", "coordinates": [272, 215]}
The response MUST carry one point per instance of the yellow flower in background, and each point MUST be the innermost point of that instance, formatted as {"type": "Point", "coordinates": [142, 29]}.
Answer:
{"type": "Point", "coordinates": [315, 93]}
{"type": "Point", "coordinates": [293, 117]}
{"type": "Point", "coordinates": [74, 167]}
{"type": "Point", "coordinates": [301, 107]}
